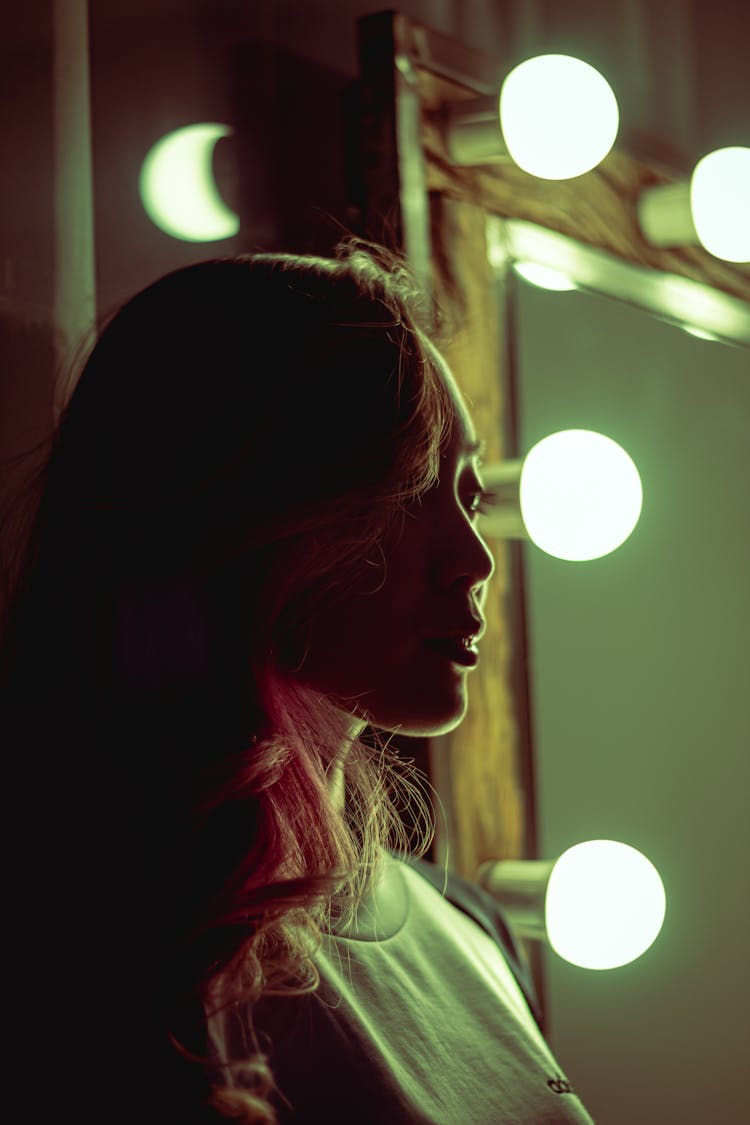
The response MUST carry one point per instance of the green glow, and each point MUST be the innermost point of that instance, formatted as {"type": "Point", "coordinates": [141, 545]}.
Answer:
{"type": "Point", "coordinates": [700, 334]}
{"type": "Point", "coordinates": [605, 904]}
{"type": "Point", "coordinates": [178, 189]}
{"type": "Point", "coordinates": [580, 494]}
{"type": "Point", "coordinates": [544, 277]}
{"type": "Point", "coordinates": [720, 203]}
{"type": "Point", "coordinates": [559, 116]}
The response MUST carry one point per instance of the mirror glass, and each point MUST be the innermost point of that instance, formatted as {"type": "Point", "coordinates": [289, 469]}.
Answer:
{"type": "Point", "coordinates": [639, 672]}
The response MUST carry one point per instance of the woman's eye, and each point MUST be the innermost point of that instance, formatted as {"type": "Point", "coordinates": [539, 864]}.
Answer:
{"type": "Point", "coordinates": [481, 501]}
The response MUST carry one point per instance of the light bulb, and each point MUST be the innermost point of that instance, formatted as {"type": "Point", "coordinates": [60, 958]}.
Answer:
{"type": "Point", "coordinates": [580, 494]}
{"type": "Point", "coordinates": [559, 116]}
{"type": "Point", "coordinates": [605, 904]}
{"type": "Point", "coordinates": [720, 203]}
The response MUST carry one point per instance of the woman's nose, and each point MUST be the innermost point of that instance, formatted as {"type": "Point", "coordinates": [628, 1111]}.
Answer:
{"type": "Point", "coordinates": [474, 557]}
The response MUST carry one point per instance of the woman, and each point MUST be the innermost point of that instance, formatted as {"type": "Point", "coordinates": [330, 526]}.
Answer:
{"type": "Point", "coordinates": [258, 511]}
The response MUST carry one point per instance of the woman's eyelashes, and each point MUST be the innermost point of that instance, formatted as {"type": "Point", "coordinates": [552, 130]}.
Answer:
{"type": "Point", "coordinates": [478, 498]}
{"type": "Point", "coordinates": [481, 501]}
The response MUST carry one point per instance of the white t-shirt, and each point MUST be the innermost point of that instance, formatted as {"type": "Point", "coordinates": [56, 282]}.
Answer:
{"type": "Point", "coordinates": [418, 1019]}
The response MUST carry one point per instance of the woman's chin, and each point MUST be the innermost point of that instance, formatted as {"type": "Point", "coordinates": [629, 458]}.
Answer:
{"type": "Point", "coordinates": [425, 721]}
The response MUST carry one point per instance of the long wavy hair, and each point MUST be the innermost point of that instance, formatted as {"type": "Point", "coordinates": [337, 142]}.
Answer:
{"type": "Point", "coordinates": [241, 438]}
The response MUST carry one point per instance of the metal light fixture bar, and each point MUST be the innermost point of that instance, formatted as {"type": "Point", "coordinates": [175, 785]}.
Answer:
{"type": "Point", "coordinates": [520, 886]}
{"type": "Point", "coordinates": [503, 520]}
{"type": "Point", "coordinates": [665, 215]}
{"type": "Point", "coordinates": [472, 131]}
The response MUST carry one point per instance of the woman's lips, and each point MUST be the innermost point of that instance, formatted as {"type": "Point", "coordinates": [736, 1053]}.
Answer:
{"type": "Point", "coordinates": [453, 649]}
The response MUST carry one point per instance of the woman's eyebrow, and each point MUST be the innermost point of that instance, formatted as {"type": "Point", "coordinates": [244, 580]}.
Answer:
{"type": "Point", "coordinates": [475, 449]}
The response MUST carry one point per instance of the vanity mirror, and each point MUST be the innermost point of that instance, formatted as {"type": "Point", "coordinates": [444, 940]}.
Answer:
{"type": "Point", "coordinates": [610, 700]}
{"type": "Point", "coordinates": [466, 230]}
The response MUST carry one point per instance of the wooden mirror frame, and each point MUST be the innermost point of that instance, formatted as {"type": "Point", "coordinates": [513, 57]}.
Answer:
{"type": "Point", "coordinates": [460, 227]}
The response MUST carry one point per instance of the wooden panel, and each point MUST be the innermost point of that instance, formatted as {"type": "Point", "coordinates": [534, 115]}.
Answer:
{"type": "Point", "coordinates": [477, 765]}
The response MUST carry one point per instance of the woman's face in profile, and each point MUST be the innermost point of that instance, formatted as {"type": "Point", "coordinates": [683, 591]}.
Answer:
{"type": "Point", "coordinates": [370, 648]}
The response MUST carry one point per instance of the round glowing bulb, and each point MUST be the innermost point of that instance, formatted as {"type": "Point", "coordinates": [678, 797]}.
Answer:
{"type": "Point", "coordinates": [605, 904]}
{"type": "Point", "coordinates": [580, 494]}
{"type": "Point", "coordinates": [720, 203]}
{"type": "Point", "coordinates": [558, 115]}
{"type": "Point", "coordinates": [544, 277]}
